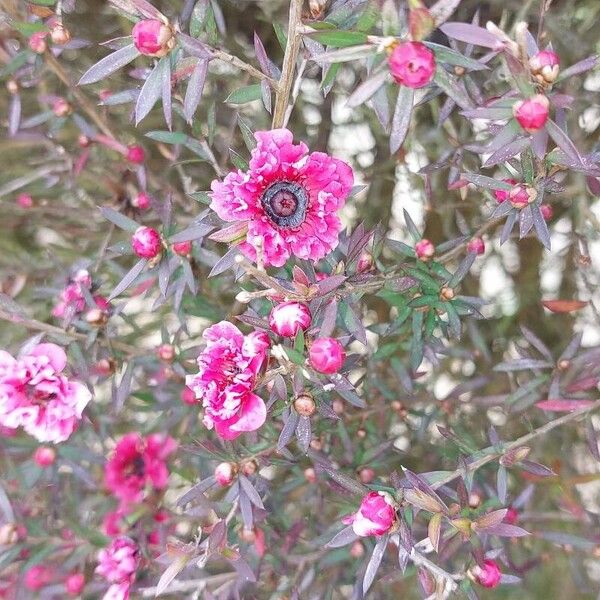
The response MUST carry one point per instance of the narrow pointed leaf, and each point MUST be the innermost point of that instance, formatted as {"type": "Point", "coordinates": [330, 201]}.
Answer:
{"type": "Point", "coordinates": [109, 64]}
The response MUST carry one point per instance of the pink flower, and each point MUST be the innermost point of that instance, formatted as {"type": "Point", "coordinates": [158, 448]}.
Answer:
{"type": "Point", "coordinates": [424, 249]}
{"type": "Point", "coordinates": [412, 64]}
{"type": "Point", "coordinates": [136, 462]}
{"type": "Point", "coordinates": [228, 370]}
{"type": "Point", "coordinates": [522, 195]}
{"type": "Point", "coordinates": [183, 248]}
{"type": "Point", "coordinates": [502, 195]}
{"type": "Point", "coordinates": [287, 318]}
{"type": "Point", "coordinates": [476, 246]}
{"type": "Point", "coordinates": [35, 395]}
{"type": "Point", "coordinates": [135, 154]}
{"type": "Point", "coordinates": [153, 37]}
{"type": "Point", "coordinates": [532, 114]}
{"type": "Point", "coordinates": [326, 355]}
{"type": "Point", "coordinates": [225, 473]}
{"type": "Point", "coordinates": [545, 66]}
{"type": "Point", "coordinates": [44, 457]}
{"type": "Point", "coordinates": [24, 200]}
{"type": "Point", "coordinates": [146, 242]}
{"type": "Point", "coordinates": [72, 300]}
{"type": "Point", "coordinates": [489, 575]}
{"type": "Point", "coordinates": [118, 562]}
{"type": "Point", "coordinates": [288, 199]}
{"type": "Point", "coordinates": [376, 515]}
{"type": "Point", "coordinates": [75, 583]}
{"type": "Point", "coordinates": [38, 577]}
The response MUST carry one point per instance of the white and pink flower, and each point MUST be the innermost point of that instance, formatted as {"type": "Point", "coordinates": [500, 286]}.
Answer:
{"type": "Point", "coordinates": [287, 202]}
{"type": "Point", "coordinates": [326, 355]}
{"type": "Point", "coordinates": [152, 37]}
{"type": "Point", "coordinates": [376, 515]}
{"type": "Point", "coordinates": [35, 395]}
{"type": "Point", "coordinates": [287, 318]}
{"type": "Point", "coordinates": [229, 367]}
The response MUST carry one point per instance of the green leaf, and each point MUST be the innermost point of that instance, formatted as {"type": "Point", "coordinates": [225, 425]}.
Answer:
{"type": "Point", "coordinates": [340, 39]}
{"type": "Point", "coordinates": [28, 29]}
{"type": "Point", "coordinates": [202, 197]}
{"type": "Point", "coordinates": [299, 341]}
{"type": "Point", "coordinates": [246, 94]}
{"type": "Point", "coordinates": [295, 356]}
{"type": "Point", "coordinates": [168, 137]}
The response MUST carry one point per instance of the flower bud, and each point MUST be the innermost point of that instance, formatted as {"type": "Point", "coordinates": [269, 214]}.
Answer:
{"type": "Point", "coordinates": [24, 200]}
{"type": "Point", "coordinates": [75, 583]}
{"type": "Point", "coordinates": [96, 316]}
{"type": "Point", "coordinates": [365, 262]}
{"type": "Point", "coordinates": [146, 242]}
{"type": "Point", "coordinates": [141, 201]}
{"type": "Point", "coordinates": [522, 195]}
{"type": "Point", "coordinates": [326, 355]}
{"type": "Point", "coordinates": [287, 318]}
{"type": "Point", "coordinates": [105, 367]}
{"type": "Point", "coordinates": [357, 550]}
{"type": "Point", "coordinates": [310, 475]}
{"type": "Point", "coordinates": [446, 293]}
{"type": "Point", "coordinates": [135, 154]}
{"type": "Point", "coordinates": [532, 113]}
{"type": "Point", "coordinates": [545, 66]}
{"type": "Point", "coordinates": [424, 249]}
{"type": "Point", "coordinates": [338, 406]}
{"type": "Point", "coordinates": [514, 456]}
{"type": "Point", "coordinates": [166, 352]}
{"type": "Point", "coordinates": [83, 140]}
{"type": "Point", "coordinates": [152, 37]}
{"type": "Point", "coordinates": [248, 535]}
{"type": "Point", "coordinates": [12, 86]}
{"type": "Point", "coordinates": [366, 475]}
{"type": "Point", "coordinates": [476, 246]}
{"type": "Point", "coordinates": [547, 211]}
{"type": "Point", "coordinates": [376, 515]}
{"type": "Point", "coordinates": [60, 35]}
{"type": "Point", "coordinates": [225, 473]}
{"type": "Point", "coordinates": [61, 108]}
{"type": "Point", "coordinates": [502, 195]}
{"type": "Point", "coordinates": [488, 576]}
{"type": "Point", "coordinates": [37, 42]}
{"type": "Point", "coordinates": [304, 405]}
{"type": "Point", "coordinates": [474, 499]}
{"type": "Point", "coordinates": [37, 577]}
{"type": "Point", "coordinates": [44, 457]}
{"type": "Point", "coordinates": [188, 396]}
{"type": "Point", "coordinates": [512, 516]}
{"type": "Point", "coordinates": [411, 64]}
{"type": "Point", "coordinates": [9, 534]}
{"type": "Point", "coordinates": [183, 248]}
{"type": "Point", "coordinates": [250, 467]}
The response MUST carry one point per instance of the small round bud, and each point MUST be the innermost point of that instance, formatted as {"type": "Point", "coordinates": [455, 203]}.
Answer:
{"type": "Point", "coordinates": [24, 200]}
{"type": "Point", "coordinates": [146, 242]}
{"type": "Point", "coordinates": [287, 318]}
{"type": "Point", "coordinates": [60, 35]}
{"type": "Point", "coordinates": [547, 211]}
{"type": "Point", "coordinates": [9, 534]}
{"type": "Point", "coordinates": [532, 113]}
{"type": "Point", "coordinates": [74, 584]}
{"type": "Point", "coordinates": [522, 195]}
{"type": "Point", "coordinates": [105, 367]}
{"type": "Point", "coordinates": [326, 355]}
{"type": "Point", "coordinates": [366, 475]}
{"type": "Point", "coordinates": [361, 433]}
{"type": "Point", "coordinates": [44, 457]}
{"type": "Point", "coordinates": [183, 248]}
{"type": "Point", "coordinates": [250, 467]}
{"type": "Point", "coordinates": [411, 64]}
{"type": "Point", "coordinates": [83, 141]}
{"type": "Point", "coordinates": [475, 499]}
{"type": "Point", "coordinates": [357, 549]}
{"type": "Point", "coordinates": [310, 475]}
{"type": "Point", "coordinates": [365, 262]}
{"type": "Point", "coordinates": [563, 365]}
{"type": "Point", "coordinates": [248, 535]}
{"type": "Point", "coordinates": [488, 575]}
{"type": "Point", "coordinates": [459, 71]}
{"type": "Point", "coordinates": [188, 396]}
{"type": "Point", "coordinates": [316, 444]}
{"type": "Point", "coordinates": [37, 42]}
{"type": "Point", "coordinates": [96, 316]}
{"type": "Point", "coordinates": [338, 406]}
{"type": "Point", "coordinates": [446, 293]}
{"type": "Point", "coordinates": [61, 108]}
{"type": "Point", "coordinates": [152, 37]}
{"type": "Point", "coordinates": [476, 246]}
{"type": "Point", "coordinates": [304, 405]}
{"type": "Point", "coordinates": [135, 154]}
{"type": "Point", "coordinates": [166, 352]}
{"type": "Point", "coordinates": [512, 516]}
{"type": "Point", "coordinates": [545, 66]}
{"type": "Point", "coordinates": [225, 473]}
{"type": "Point", "coordinates": [502, 195]}
{"type": "Point", "coordinates": [141, 201]}
{"type": "Point", "coordinates": [424, 249]}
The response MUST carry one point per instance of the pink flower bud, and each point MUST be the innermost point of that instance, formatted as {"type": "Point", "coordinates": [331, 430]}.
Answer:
{"type": "Point", "coordinates": [522, 195]}
{"type": "Point", "coordinates": [60, 35]}
{"type": "Point", "coordinates": [287, 318]}
{"type": "Point", "coordinates": [545, 66]}
{"type": "Point", "coordinates": [512, 516]}
{"type": "Point", "coordinates": [487, 576]}
{"type": "Point", "coordinates": [183, 248]}
{"type": "Point", "coordinates": [188, 397]}
{"type": "Point", "coordinates": [61, 108]}
{"type": "Point", "coordinates": [24, 200]}
{"type": "Point", "coordinates": [365, 262]}
{"type": "Point", "coordinates": [326, 355]}
{"type": "Point", "coordinates": [141, 201]}
{"type": "Point", "coordinates": [153, 37]}
{"type": "Point", "coordinates": [547, 211]}
{"type": "Point", "coordinates": [44, 456]}
{"type": "Point", "coordinates": [37, 42]}
{"type": "Point", "coordinates": [75, 583]}
{"type": "Point", "coordinates": [146, 242]}
{"type": "Point", "coordinates": [38, 577]}
{"type": "Point", "coordinates": [225, 473]}
{"type": "Point", "coordinates": [366, 475]}
{"type": "Point", "coordinates": [166, 352]}
{"type": "Point", "coordinates": [135, 154]}
{"type": "Point", "coordinates": [376, 515]}
{"type": "Point", "coordinates": [502, 195]}
{"type": "Point", "coordinates": [476, 246]}
{"type": "Point", "coordinates": [412, 64]}
{"type": "Point", "coordinates": [532, 114]}
{"type": "Point", "coordinates": [424, 249]}
{"type": "Point", "coordinates": [357, 550]}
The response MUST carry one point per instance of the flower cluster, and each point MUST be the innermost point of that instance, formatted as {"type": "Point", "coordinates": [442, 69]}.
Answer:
{"type": "Point", "coordinates": [118, 564]}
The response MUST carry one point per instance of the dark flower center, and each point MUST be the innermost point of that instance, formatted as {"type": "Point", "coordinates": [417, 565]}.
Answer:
{"type": "Point", "coordinates": [285, 203]}
{"type": "Point", "coordinates": [137, 467]}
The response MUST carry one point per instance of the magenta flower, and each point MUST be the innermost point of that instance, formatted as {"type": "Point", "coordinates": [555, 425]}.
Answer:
{"type": "Point", "coordinates": [412, 64]}
{"type": "Point", "coordinates": [137, 462]}
{"type": "Point", "coordinates": [228, 372]}
{"type": "Point", "coordinates": [532, 114]}
{"type": "Point", "coordinates": [287, 318]}
{"type": "Point", "coordinates": [71, 300]}
{"type": "Point", "coordinates": [326, 355]}
{"type": "Point", "coordinates": [489, 575]}
{"type": "Point", "coordinates": [287, 201]}
{"type": "Point", "coordinates": [146, 242]}
{"type": "Point", "coordinates": [376, 515]}
{"type": "Point", "coordinates": [135, 154]}
{"type": "Point", "coordinates": [152, 37]}
{"type": "Point", "coordinates": [118, 564]}
{"type": "Point", "coordinates": [35, 395]}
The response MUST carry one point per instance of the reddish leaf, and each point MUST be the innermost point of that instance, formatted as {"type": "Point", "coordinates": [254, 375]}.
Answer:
{"type": "Point", "coordinates": [564, 405]}
{"type": "Point", "coordinates": [563, 306]}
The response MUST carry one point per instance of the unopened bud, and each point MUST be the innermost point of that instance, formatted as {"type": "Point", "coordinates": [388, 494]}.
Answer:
{"type": "Point", "coordinates": [305, 405]}
{"type": "Point", "coordinates": [250, 467]}
{"type": "Point", "coordinates": [446, 293]}
{"type": "Point", "coordinates": [166, 352]}
{"type": "Point", "coordinates": [60, 35]}
{"type": "Point", "coordinates": [514, 456]}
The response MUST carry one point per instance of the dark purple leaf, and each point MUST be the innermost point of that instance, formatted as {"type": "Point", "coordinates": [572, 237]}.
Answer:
{"type": "Point", "coordinates": [454, 88]}
{"type": "Point", "coordinates": [592, 439]}
{"type": "Point", "coordinates": [151, 91]}
{"type": "Point", "coordinates": [367, 88]}
{"type": "Point", "coordinates": [329, 318]}
{"type": "Point", "coordinates": [249, 490]}
{"type": "Point", "coordinates": [536, 469]}
{"type": "Point", "coordinates": [505, 530]}
{"type": "Point", "coordinates": [343, 538]}
{"type": "Point", "coordinates": [525, 221]}
{"type": "Point", "coordinates": [197, 490]}
{"type": "Point", "coordinates": [194, 89]}
{"type": "Point", "coordinates": [303, 433]}
{"type": "Point", "coordinates": [374, 562]}
{"type": "Point", "coordinates": [288, 430]}
{"type": "Point", "coordinates": [471, 34]}
{"type": "Point", "coordinates": [506, 152]}
{"type": "Point", "coordinates": [541, 226]}
{"type": "Point", "coordinates": [401, 119]}
{"type": "Point", "coordinates": [563, 141]}
{"type": "Point", "coordinates": [523, 364]}
{"type": "Point", "coordinates": [193, 232]}
{"type": "Point", "coordinates": [166, 90]}
{"type": "Point", "coordinates": [128, 279]}
{"type": "Point", "coordinates": [194, 47]}
{"type": "Point", "coordinates": [14, 115]}
{"type": "Point", "coordinates": [119, 219]}
{"type": "Point", "coordinates": [109, 64]}
{"type": "Point", "coordinates": [486, 182]}
{"type": "Point", "coordinates": [579, 67]}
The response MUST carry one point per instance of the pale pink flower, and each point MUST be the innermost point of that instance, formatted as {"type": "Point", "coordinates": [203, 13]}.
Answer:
{"type": "Point", "coordinates": [489, 575]}
{"type": "Point", "coordinates": [326, 355]}
{"type": "Point", "coordinates": [35, 395]}
{"type": "Point", "coordinates": [287, 318]}
{"type": "Point", "coordinates": [229, 367]}
{"type": "Point", "coordinates": [287, 201]}
{"type": "Point", "coordinates": [532, 113]}
{"type": "Point", "coordinates": [152, 37]}
{"type": "Point", "coordinates": [376, 515]}
{"type": "Point", "coordinates": [412, 64]}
